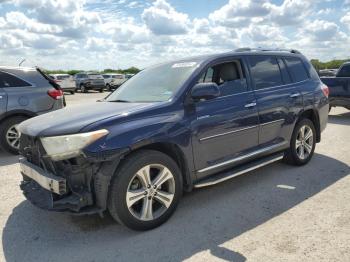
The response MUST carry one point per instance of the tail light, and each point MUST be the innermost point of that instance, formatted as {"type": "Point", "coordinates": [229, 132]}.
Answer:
{"type": "Point", "coordinates": [55, 93]}
{"type": "Point", "coordinates": [325, 90]}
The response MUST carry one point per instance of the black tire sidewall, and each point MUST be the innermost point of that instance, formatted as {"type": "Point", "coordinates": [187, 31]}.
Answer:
{"type": "Point", "coordinates": [293, 150]}
{"type": "Point", "coordinates": [4, 126]}
{"type": "Point", "coordinates": [120, 182]}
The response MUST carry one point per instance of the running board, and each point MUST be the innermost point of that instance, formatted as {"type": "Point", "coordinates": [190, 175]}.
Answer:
{"type": "Point", "coordinates": [221, 177]}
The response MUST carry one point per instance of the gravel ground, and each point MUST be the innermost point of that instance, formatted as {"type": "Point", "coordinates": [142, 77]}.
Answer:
{"type": "Point", "coordinates": [277, 213]}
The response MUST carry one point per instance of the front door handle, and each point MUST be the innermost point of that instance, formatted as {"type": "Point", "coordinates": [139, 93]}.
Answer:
{"type": "Point", "coordinates": [294, 95]}
{"type": "Point", "coordinates": [250, 105]}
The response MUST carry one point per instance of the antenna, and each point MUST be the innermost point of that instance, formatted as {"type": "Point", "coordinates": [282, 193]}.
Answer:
{"type": "Point", "coordinates": [21, 62]}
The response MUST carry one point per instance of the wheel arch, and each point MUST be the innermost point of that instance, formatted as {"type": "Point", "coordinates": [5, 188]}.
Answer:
{"type": "Point", "coordinates": [16, 113]}
{"type": "Point", "coordinates": [174, 152]}
{"type": "Point", "coordinates": [313, 116]}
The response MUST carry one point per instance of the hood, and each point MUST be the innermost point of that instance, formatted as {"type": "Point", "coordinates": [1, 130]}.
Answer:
{"type": "Point", "coordinates": [72, 119]}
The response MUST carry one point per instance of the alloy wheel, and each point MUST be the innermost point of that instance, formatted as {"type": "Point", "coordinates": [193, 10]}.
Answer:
{"type": "Point", "coordinates": [304, 142]}
{"type": "Point", "coordinates": [12, 136]}
{"type": "Point", "coordinates": [150, 192]}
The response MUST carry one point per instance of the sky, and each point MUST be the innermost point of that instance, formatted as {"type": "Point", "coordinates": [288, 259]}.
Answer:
{"type": "Point", "coordinates": [94, 35]}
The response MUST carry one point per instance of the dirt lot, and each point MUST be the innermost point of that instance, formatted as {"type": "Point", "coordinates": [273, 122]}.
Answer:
{"type": "Point", "coordinates": [278, 213]}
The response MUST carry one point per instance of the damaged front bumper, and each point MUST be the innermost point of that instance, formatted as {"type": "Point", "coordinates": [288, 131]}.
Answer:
{"type": "Point", "coordinates": [77, 185]}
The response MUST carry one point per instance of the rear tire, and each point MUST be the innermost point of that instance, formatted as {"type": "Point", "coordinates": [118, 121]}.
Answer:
{"type": "Point", "coordinates": [145, 190]}
{"type": "Point", "coordinates": [72, 92]}
{"type": "Point", "coordinates": [101, 90]}
{"type": "Point", "coordinates": [9, 134]}
{"type": "Point", "coordinates": [302, 144]}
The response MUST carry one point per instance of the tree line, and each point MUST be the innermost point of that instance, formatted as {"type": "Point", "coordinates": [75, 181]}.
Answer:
{"type": "Point", "coordinates": [318, 65]}
{"type": "Point", "coordinates": [333, 64]}
{"type": "Point", "coordinates": [130, 70]}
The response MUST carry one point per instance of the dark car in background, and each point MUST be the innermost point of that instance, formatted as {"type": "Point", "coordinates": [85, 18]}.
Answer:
{"type": "Point", "coordinates": [339, 87]}
{"type": "Point", "coordinates": [89, 81]}
{"type": "Point", "coordinates": [173, 127]}
{"type": "Point", "coordinates": [24, 93]}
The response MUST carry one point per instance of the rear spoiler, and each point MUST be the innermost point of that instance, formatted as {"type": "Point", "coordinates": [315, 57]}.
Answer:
{"type": "Point", "coordinates": [49, 79]}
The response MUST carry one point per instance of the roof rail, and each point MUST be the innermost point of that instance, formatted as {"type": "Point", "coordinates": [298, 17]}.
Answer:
{"type": "Point", "coordinates": [248, 49]}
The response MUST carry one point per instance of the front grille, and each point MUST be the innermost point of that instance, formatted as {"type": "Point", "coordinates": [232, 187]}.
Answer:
{"type": "Point", "coordinates": [29, 149]}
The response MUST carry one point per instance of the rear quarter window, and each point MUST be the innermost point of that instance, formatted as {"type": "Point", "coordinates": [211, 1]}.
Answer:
{"type": "Point", "coordinates": [297, 69]}
{"type": "Point", "coordinates": [8, 80]}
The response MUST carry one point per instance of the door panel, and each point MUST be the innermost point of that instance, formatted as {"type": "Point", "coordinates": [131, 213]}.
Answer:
{"type": "Point", "coordinates": [3, 101]}
{"type": "Point", "coordinates": [224, 129]}
{"type": "Point", "coordinates": [278, 108]}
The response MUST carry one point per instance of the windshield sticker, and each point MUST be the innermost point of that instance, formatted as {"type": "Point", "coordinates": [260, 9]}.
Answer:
{"type": "Point", "coordinates": [186, 64]}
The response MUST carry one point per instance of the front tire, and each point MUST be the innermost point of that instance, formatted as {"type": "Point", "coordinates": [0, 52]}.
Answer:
{"type": "Point", "coordinates": [145, 190]}
{"type": "Point", "coordinates": [9, 134]}
{"type": "Point", "coordinates": [302, 144]}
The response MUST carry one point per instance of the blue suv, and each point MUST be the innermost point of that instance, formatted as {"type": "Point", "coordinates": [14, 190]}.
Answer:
{"type": "Point", "coordinates": [171, 128]}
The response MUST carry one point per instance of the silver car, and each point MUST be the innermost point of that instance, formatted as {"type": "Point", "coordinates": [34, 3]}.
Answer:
{"type": "Point", "coordinates": [24, 93]}
{"type": "Point", "coordinates": [65, 81]}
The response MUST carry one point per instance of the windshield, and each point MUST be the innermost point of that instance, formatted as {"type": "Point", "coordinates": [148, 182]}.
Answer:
{"type": "Point", "coordinates": [155, 84]}
{"type": "Point", "coordinates": [95, 76]}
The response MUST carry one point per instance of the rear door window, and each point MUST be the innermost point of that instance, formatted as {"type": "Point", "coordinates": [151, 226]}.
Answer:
{"type": "Point", "coordinates": [265, 71]}
{"type": "Point", "coordinates": [344, 71]}
{"type": "Point", "coordinates": [285, 75]}
{"type": "Point", "coordinates": [8, 80]}
{"type": "Point", "coordinates": [296, 69]}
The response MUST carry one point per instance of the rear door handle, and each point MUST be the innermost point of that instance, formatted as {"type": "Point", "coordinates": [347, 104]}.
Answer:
{"type": "Point", "coordinates": [294, 95]}
{"type": "Point", "coordinates": [250, 105]}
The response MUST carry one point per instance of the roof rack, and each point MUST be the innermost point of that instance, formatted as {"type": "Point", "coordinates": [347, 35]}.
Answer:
{"type": "Point", "coordinates": [248, 49]}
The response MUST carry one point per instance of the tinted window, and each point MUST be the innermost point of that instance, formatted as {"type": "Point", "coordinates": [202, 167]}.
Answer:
{"type": "Point", "coordinates": [344, 71]}
{"type": "Point", "coordinates": [7, 80]}
{"type": "Point", "coordinates": [265, 71]}
{"type": "Point", "coordinates": [285, 75]}
{"type": "Point", "coordinates": [296, 69]}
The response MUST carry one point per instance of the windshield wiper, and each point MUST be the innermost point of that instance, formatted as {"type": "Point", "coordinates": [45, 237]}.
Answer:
{"type": "Point", "coordinates": [119, 101]}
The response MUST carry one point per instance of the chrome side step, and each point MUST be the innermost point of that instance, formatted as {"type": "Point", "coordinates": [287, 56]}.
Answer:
{"type": "Point", "coordinates": [221, 177]}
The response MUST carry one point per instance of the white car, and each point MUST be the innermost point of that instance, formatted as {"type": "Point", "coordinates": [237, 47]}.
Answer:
{"type": "Point", "coordinates": [113, 81]}
{"type": "Point", "coordinates": [66, 82]}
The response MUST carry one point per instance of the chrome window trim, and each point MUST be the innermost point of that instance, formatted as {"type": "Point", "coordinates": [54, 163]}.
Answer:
{"type": "Point", "coordinates": [290, 84]}
{"type": "Point", "coordinates": [227, 133]}
{"type": "Point", "coordinates": [240, 158]}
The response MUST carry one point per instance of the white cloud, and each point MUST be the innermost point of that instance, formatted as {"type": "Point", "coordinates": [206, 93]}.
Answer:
{"type": "Point", "coordinates": [346, 19]}
{"type": "Point", "coordinates": [239, 13]}
{"type": "Point", "coordinates": [291, 12]}
{"type": "Point", "coordinates": [162, 19]}
{"type": "Point", "coordinates": [321, 30]}
{"type": "Point", "coordinates": [89, 34]}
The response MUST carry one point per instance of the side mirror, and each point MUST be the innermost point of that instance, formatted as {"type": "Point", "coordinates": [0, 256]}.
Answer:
{"type": "Point", "coordinates": [205, 91]}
